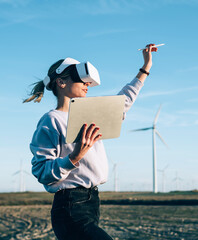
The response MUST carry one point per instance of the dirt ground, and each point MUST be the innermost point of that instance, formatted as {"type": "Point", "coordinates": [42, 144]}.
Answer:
{"type": "Point", "coordinates": [121, 222]}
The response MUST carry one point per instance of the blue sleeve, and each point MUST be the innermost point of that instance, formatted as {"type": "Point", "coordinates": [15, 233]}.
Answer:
{"type": "Point", "coordinates": [131, 91]}
{"type": "Point", "coordinates": [47, 166]}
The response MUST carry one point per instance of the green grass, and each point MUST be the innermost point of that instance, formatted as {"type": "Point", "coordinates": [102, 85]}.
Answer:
{"type": "Point", "coordinates": [37, 198]}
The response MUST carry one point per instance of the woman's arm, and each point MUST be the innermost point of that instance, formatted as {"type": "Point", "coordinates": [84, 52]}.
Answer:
{"type": "Point", "coordinates": [47, 166]}
{"type": "Point", "coordinates": [147, 62]}
{"type": "Point", "coordinates": [90, 134]}
{"type": "Point", "coordinates": [132, 89]}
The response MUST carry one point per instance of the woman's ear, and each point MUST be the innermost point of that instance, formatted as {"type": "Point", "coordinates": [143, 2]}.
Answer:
{"type": "Point", "coordinates": [60, 83]}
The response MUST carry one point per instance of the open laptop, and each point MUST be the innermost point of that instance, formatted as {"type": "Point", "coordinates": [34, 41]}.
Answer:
{"type": "Point", "coordinates": [106, 112]}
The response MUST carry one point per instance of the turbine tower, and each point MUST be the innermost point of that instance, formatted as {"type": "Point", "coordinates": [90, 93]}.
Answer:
{"type": "Point", "coordinates": [115, 177]}
{"type": "Point", "coordinates": [22, 182]}
{"type": "Point", "coordinates": [154, 132]}
{"type": "Point", "coordinates": [163, 177]}
{"type": "Point", "coordinates": [177, 179]}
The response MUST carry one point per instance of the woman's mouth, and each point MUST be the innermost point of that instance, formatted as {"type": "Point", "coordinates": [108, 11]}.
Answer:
{"type": "Point", "coordinates": [85, 90]}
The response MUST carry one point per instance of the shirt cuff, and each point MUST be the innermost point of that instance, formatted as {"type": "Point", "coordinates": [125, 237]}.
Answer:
{"type": "Point", "coordinates": [137, 83]}
{"type": "Point", "coordinates": [67, 164]}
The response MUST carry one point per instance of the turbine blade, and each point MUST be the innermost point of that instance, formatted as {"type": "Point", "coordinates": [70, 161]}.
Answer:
{"type": "Point", "coordinates": [166, 167]}
{"type": "Point", "coordinates": [111, 160]}
{"type": "Point", "coordinates": [141, 129]}
{"type": "Point", "coordinates": [163, 170]}
{"type": "Point", "coordinates": [114, 166]}
{"type": "Point", "coordinates": [16, 173]}
{"type": "Point", "coordinates": [26, 172]}
{"type": "Point", "coordinates": [161, 138]}
{"type": "Point", "coordinates": [157, 114]}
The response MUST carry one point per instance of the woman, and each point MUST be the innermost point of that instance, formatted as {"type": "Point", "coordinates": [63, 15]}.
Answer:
{"type": "Point", "coordinates": [73, 171]}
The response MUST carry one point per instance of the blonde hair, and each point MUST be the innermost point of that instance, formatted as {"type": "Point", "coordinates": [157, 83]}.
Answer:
{"type": "Point", "coordinates": [38, 90]}
{"type": "Point", "coordinates": [36, 93]}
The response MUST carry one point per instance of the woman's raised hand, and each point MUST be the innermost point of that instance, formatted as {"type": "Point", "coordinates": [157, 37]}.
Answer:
{"type": "Point", "coordinates": [148, 55]}
{"type": "Point", "coordinates": [88, 137]}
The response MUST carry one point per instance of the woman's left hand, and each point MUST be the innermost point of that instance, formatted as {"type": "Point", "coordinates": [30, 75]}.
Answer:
{"type": "Point", "coordinates": [89, 136]}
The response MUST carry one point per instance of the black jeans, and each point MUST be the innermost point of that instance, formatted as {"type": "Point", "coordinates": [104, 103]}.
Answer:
{"type": "Point", "coordinates": [75, 215]}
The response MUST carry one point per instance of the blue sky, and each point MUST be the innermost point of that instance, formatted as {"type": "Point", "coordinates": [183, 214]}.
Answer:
{"type": "Point", "coordinates": [35, 34]}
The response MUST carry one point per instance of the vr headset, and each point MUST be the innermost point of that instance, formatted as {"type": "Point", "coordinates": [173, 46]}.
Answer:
{"type": "Point", "coordinates": [84, 72]}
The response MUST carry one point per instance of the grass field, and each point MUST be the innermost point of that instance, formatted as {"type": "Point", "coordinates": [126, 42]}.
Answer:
{"type": "Point", "coordinates": [174, 198]}
{"type": "Point", "coordinates": [120, 221]}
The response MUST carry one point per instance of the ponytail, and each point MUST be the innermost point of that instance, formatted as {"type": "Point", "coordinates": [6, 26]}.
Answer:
{"type": "Point", "coordinates": [38, 90]}
{"type": "Point", "coordinates": [36, 93]}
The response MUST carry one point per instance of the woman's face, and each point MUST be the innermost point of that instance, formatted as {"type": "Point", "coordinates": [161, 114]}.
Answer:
{"type": "Point", "coordinates": [76, 89]}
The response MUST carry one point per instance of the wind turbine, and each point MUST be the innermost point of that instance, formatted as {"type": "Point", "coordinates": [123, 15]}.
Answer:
{"type": "Point", "coordinates": [163, 177]}
{"type": "Point", "coordinates": [21, 174]}
{"type": "Point", "coordinates": [177, 179]}
{"type": "Point", "coordinates": [154, 131]}
{"type": "Point", "coordinates": [115, 177]}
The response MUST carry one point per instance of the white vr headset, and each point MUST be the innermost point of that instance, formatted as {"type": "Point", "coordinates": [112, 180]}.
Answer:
{"type": "Point", "coordinates": [85, 72]}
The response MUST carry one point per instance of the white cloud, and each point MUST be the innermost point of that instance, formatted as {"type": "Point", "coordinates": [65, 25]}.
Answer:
{"type": "Point", "coordinates": [17, 20]}
{"type": "Point", "coordinates": [161, 3]}
{"type": "Point", "coordinates": [15, 3]}
{"type": "Point", "coordinates": [145, 117]}
{"type": "Point", "coordinates": [184, 124]}
{"type": "Point", "coordinates": [106, 7]}
{"type": "Point", "coordinates": [186, 2]}
{"type": "Point", "coordinates": [15, 13]}
{"type": "Point", "coordinates": [193, 100]}
{"type": "Point", "coordinates": [167, 92]}
{"type": "Point", "coordinates": [107, 92]}
{"type": "Point", "coordinates": [107, 32]}
{"type": "Point", "coordinates": [188, 112]}
{"type": "Point", "coordinates": [190, 69]}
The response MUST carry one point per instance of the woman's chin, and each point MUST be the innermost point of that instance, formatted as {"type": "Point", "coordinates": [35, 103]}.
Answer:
{"type": "Point", "coordinates": [78, 95]}
{"type": "Point", "coordinates": [83, 94]}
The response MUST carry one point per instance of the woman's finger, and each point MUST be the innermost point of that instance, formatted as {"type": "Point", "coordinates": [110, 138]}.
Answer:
{"type": "Point", "coordinates": [149, 47]}
{"type": "Point", "coordinates": [151, 44]}
{"type": "Point", "coordinates": [94, 133]}
{"type": "Point", "coordinates": [145, 50]}
{"type": "Point", "coordinates": [89, 131]}
{"type": "Point", "coordinates": [84, 131]}
{"type": "Point", "coordinates": [87, 138]}
{"type": "Point", "coordinates": [97, 138]}
{"type": "Point", "coordinates": [154, 49]}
